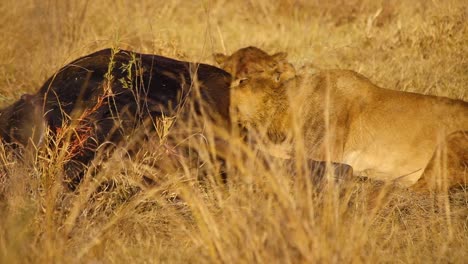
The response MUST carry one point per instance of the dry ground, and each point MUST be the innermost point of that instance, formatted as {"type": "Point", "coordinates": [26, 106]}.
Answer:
{"type": "Point", "coordinates": [263, 215]}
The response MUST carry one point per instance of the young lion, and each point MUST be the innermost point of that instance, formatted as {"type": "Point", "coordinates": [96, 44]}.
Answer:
{"type": "Point", "coordinates": [251, 61]}
{"type": "Point", "coordinates": [340, 115]}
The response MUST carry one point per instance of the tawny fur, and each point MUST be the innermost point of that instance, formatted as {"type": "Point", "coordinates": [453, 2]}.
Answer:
{"type": "Point", "coordinates": [340, 115]}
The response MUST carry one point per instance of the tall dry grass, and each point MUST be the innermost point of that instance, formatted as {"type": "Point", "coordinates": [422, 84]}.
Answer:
{"type": "Point", "coordinates": [264, 214]}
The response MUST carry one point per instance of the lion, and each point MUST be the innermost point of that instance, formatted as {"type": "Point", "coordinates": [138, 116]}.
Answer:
{"type": "Point", "coordinates": [341, 116]}
{"type": "Point", "coordinates": [252, 61]}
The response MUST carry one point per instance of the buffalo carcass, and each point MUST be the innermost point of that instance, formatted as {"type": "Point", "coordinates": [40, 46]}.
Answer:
{"type": "Point", "coordinates": [107, 95]}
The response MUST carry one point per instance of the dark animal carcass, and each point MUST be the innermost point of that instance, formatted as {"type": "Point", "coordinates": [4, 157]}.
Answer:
{"type": "Point", "coordinates": [108, 94]}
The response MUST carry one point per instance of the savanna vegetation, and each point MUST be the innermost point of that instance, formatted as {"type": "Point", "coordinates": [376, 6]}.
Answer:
{"type": "Point", "coordinates": [264, 213]}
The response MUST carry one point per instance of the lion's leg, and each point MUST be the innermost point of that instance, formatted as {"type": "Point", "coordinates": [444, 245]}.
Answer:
{"type": "Point", "coordinates": [448, 167]}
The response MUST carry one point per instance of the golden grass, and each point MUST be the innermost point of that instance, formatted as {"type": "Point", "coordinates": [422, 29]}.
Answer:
{"type": "Point", "coordinates": [263, 215]}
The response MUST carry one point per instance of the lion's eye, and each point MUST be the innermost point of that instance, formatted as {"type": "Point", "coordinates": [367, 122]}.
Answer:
{"type": "Point", "coordinates": [243, 80]}
{"type": "Point", "coordinates": [277, 77]}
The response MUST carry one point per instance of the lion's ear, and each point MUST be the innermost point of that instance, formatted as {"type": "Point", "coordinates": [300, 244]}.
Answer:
{"type": "Point", "coordinates": [280, 56]}
{"type": "Point", "coordinates": [220, 58]}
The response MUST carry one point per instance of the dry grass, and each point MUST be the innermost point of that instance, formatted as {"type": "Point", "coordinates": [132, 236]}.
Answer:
{"type": "Point", "coordinates": [263, 215]}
